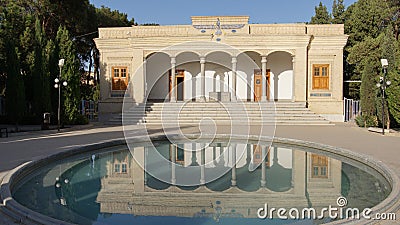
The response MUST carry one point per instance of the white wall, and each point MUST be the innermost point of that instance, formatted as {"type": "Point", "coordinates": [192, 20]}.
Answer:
{"type": "Point", "coordinates": [284, 157]}
{"type": "Point", "coordinates": [157, 69]}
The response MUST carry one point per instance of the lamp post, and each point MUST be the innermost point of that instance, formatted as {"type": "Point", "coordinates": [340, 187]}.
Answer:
{"type": "Point", "coordinates": [383, 84]}
{"type": "Point", "coordinates": [58, 85]}
{"type": "Point", "coordinates": [59, 185]}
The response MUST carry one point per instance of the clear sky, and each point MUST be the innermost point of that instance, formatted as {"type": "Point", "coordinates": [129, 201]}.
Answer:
{"type": "Point", "coordinates": [167, 12]}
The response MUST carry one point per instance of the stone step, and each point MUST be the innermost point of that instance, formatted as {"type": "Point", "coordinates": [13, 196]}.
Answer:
{"type": "Point", "coordinates": [210, 105]}
{"type": "Point", "coordinates": [239, 107]}
{"type": "Point", "coordinates": [220, 110]}
{"type": "Point", "coordinates": [214, 114]}
{"type": "Point", "coordinates": [238, 124]}
{"type": "Point", "coordinates": [230, 119]}
{"type": "Point", "coordinates": [224, 113]}
{"type": "Point", "coordinates": [221, 103]}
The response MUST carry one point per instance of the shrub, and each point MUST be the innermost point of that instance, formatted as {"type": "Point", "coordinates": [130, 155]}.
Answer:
{"type": "Point", "coordinates": [81, 120]}
{"type": "Point", "coordinates": [366, 121]}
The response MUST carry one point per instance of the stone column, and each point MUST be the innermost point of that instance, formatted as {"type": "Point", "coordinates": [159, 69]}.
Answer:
{"type": "Point", "coordinates": [146, 153]}
{"type": "Point", "coordinates": [263, 168]}
{"type": "Point", "coordinates": [221, 156]}
{"type": "Point", "coordinates": [233, 149]}
{"type": "Point", "coordinates": [221, 83]}
{"type": "Point", "coordinates": [203, 165]}
{"type": "Point", "coordinates": [215, 155]}
{"type": "Point", "coordinates": [215, 83]}
{"type": "Point", "coordinates": [249, 153]}
{"type": "Point", "coordinates": [138, 176]}
{"type": "Point", "coordinates": [264, 78]}
{"type": "Point", "coordinates": [144, 79]}
{"type": "Point", "coordinates": [173, 163]}
{"type": "Point", "coordinates": [293, 78]}
{"type": "Point", "coordinates": [203, 78]}
{"type": "Point", "coordinates": [234, 78]}
{"type": "Point", "coordinates": [194, 157]}
{"type": "Point", "coordinates": [173, 80]}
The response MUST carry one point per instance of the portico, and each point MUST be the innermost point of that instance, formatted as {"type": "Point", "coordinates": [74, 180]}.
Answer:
{"type": "Point", "coordinates": [244, 76]}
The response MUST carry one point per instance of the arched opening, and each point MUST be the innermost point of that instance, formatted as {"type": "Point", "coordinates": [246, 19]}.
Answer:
{"type": "Point", "coordinates": [248, 63]}
{"type": "Point", "coordinates": [187, 75]}
{"type": "Point", "coordinates": [281, 75]}
{"type": "Point", "coordinates": [158, 65]}
{"type": "Point", "coordinates": [218, 79]}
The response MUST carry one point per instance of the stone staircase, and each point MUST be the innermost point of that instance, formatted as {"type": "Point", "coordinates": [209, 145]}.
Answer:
{"type": "Point", "coordinates": [237, 113]}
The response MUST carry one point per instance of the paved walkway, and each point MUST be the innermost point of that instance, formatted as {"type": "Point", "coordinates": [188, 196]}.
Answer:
{"type": "Point", "coordinates": [16, 149]}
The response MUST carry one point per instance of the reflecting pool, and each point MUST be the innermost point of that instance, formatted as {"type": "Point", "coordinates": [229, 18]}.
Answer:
{"type": "Point", "coordinates": [193, 183]}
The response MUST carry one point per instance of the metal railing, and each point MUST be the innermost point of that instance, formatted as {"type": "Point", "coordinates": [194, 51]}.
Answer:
{"type": "Point", "coordinates": [89, 109]}
{"type": "Point", "coordinates": [351, 109]}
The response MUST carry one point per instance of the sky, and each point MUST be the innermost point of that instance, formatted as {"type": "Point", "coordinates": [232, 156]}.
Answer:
{"type": "Point", "coordinates": [170, 12]}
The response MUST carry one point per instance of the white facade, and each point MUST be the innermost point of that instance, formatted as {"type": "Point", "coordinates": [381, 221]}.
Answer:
{"type": "Point", "coordinates": [221, 56]}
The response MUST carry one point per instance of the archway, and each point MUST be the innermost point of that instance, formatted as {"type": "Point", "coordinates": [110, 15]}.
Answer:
{"type": "Point", "coordinates": [248, 62]}
{"type": "Point", "coordinates": [281, 67]}
{"type": "Point", "coordinates": [158, 65]}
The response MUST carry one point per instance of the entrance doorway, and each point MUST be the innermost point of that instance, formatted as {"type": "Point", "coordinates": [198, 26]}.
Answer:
{"type": "Point", "coordinates": [257, 155]}
{"type": "Point", "coordinates": [258, 84]}
{"type": "Point", "coordinates": [179, 84]}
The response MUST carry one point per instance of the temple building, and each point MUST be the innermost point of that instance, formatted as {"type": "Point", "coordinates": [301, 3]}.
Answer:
{"type": "Point", "coordinates": [224, 58]}
{"type": "Point", "coordinates": [299, 177]}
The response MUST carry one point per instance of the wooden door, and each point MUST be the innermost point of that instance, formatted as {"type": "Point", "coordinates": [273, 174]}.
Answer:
{"type": "Point", "coordinates": [257, 155]}
{"type": "Point", "coordinates": [258, 85]}
{"type": "Point", "coordinates": [179, 84]}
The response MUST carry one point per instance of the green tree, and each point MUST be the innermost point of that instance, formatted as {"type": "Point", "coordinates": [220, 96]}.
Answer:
{"type": "Point", "coordinates": [368, 93]}
{"type": "Point", "coordinates": [390, 51]}
{"type": "Point", "coordinates": [366, 56]}
{"type": "Point", "coordinates": [107, 17]}
{"type": "Point", "coordinates": [34, 25]}
{"type": "Point", "coordinates": [369, 41]}
{"type": "Point", "coordinates": [15, 93]}
{"type": "Point", "coordinates": [338, 9]}
{"type": "Point", "coordinates": [322, 15]}
{"type": "Point", "coordinates": [40, 74]}
{"type": "Point", "coordinates": [52, 57]}
{"type": "Point", "coordinates": [71, 74]}
{"type": "Point", "coordinates": [366, 20]}
{"type": "Point", "coordinates": [2, 53]}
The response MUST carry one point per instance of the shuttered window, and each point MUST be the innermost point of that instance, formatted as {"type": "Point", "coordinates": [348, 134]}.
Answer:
{"type": "Point", "coordinates": [321, 76]}
{"type": "Point", "coordinates": [119, 78]}
{"type": "Point", "coordinates": [319, 165]}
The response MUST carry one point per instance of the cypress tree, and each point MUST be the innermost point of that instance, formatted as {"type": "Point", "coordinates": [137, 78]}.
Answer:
{"type": "Point", "coordinates": [71, 74]}
{"type": "Point", "coordinates": [368, 92]}
{"type": "Point", "coordinates": [322, 15]}
{"type": "Point", "coordinates": [338, 9]}
{"type": "Point", "coordinates": [15, 90]}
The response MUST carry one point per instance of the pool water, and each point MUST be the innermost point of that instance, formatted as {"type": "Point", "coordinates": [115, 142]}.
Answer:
{"type": "Point", "coordinates": [219, 183]}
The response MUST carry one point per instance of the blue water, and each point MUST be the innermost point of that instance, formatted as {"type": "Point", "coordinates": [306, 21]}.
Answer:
{"type": "Point", "coordinates": [101, 188]}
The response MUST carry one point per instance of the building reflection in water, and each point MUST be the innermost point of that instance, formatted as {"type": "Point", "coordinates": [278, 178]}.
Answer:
{"type": "Point", "coordinates": [255, 175]}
